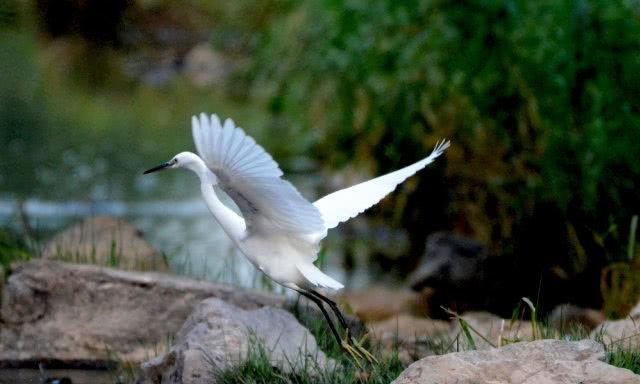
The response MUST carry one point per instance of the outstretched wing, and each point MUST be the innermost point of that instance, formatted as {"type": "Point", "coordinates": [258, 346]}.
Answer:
{"type": "Point", "coordinates": [347, 203]}
{"type": "Point", "coordinates": [250, 176]}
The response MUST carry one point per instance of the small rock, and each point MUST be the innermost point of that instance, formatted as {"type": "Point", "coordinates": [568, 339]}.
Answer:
{"type": "Point", "coordinates": [379, 303]}
{"type": "Point", "coordinates": [218, 336]}
{"type": "Point", "coordinates": [413, 336]}
{"type": "Point", "coordinates": [635, 312]}
{"type": "Point", "coordinates": [205, 67]}
{"type": "Point", "coordinates": [496, 330]}
{"type": "Point", "coordinates": [569, 316]}
{"type": "Point", "coordinates": [449, 260]}
{"type": "Point", "coordinates": [540, 362]}
{"type": "Point", "coordinates": [105, 241]}
{"type": "Point", "coordinates": [619, 333]}
{"type": "Point", "coordinates": [454, 271]}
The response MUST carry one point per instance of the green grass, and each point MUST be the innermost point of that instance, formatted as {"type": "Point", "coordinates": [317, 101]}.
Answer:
{"type": "Point", "coordinates": [626, 358]}
{"type": "Point", "coordinates": [13, 247]}
{"type": "Point", "coordinates": [258, 369]}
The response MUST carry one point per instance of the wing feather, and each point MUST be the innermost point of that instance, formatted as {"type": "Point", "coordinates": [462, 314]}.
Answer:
{"type": "Point", "coordinates": [250, 176]}
{"type": "Point", "coordinates": [347, 203]}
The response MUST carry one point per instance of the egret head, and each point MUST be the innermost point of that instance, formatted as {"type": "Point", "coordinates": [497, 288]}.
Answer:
{"type": "Point", "coordinates": [181, 160]}
{"type": "Point", "coordinates": [186, 160]}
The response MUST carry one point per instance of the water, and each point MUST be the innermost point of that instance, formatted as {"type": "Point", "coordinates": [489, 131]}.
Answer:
{"type": "Point", "coordinates": [34, 376]}
{"type": "Point", "coordinates": [184, 230]}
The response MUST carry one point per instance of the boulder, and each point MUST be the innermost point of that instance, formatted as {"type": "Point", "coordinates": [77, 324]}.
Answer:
{"type": "Point", "coordinates": [568, 316]}
{"type": "Point", "coordinates": [219, 336]}
{"type": "Point", "coordinates": [81, 313]}
{"type": "Point", "coordinates": [105, 241]}
{"type": "Point", "coordinates": [619, 333]}
{"type": "Point", "coordinates": [414, 337]}
{"type": "Point", "coordinates": [449, 260]}
{"type": "Point", "coordinates": [540, 362]}
{"type": "Point", "coordinates": [378, 303]}
{"type": "Point", "coordinates": [490, 330]}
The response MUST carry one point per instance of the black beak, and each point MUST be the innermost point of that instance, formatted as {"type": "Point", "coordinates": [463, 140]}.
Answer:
{"type": "Point", "coordinates": [159, 167]}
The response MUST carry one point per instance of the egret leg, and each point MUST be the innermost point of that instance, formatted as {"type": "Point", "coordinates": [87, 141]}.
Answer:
{"type": "Point", "coordinates": [355, 354]}
{"type": "Point", "coordinates": [356, 344]}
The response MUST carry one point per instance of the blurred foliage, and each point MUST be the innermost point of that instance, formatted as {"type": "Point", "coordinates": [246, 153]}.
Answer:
{"type": "Point", "coordinates": [620, 281]}
{"type": "Point", "coordinates": [74, 126]}
{"type": "Point", "coordinates": [540, 100]}
{"type": "Point", "coordinates": [12, 248]}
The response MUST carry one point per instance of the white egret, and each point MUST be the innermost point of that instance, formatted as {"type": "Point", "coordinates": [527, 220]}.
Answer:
{"type": "Point", "coordinates": [279, 230]}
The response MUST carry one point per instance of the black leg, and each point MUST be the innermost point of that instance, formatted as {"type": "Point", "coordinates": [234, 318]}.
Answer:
{"type": "Point", "coordinates": [334, 308]}
{"type": "Point", "coordinates": [318, 302]}
{"type": "Point", "coordinates": [354, 349]}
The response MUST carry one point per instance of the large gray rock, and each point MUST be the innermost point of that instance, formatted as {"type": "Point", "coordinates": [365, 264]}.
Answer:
{"type": "Point", "coordinates": [219, 336]}
{"type": "Point", "coordinates": [105, 241]}
{"type": "Point", "coordinates": [81, 313]}
{"type": "Point", "coordinates": [539, 362]}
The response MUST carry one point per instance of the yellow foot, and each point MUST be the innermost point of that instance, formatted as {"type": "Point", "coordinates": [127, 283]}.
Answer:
{"type": "Point", "coordinates": [355, 354]}
{"type": "Point", "coordinates": [356, 350]}
{"type": "Point", "coordinates": [367, 355]}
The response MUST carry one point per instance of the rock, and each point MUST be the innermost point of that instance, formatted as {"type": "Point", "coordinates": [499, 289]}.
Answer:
{"type": "Point", "coordinates": [379, 303]}
{"type": "Point", "coordinates": [496, 330]}
{"type": "Point", "coordinates": [620, 333]}
{"type": "Point", "coordinates": [219, 336]}
{"type": "Point", "coordinates": [204, 67]}
{"type": "Point", "coordinates": [413, 336]}
{"type": "Point", "coordinates": [635, 312]}
{"type": "Point", "coordinates": [454, 270]}
{"type": "Point", "coordinates": [569, 316]}
{"type": "Point", "coordinates": [540, 362]}
{"type": "Point", "coordinates": [449, 260]}
{"type": "Point", "coordinates": [82, 313]}
{"type": "Point", "coordinates": [105, 241]}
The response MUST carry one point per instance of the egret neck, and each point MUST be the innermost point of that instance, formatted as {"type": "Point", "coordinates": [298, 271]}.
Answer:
{"type": "Point", "coordinates": [232, 224]}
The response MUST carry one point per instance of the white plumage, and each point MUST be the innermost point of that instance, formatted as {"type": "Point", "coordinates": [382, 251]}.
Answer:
{"type": "Point", "coordinates": [279, 231]}
{"type": "Point", "coordinates": [345, 204]}
{"type": "Point", "coordinates": [250, 176]}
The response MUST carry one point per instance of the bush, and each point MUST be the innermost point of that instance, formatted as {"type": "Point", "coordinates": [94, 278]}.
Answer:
{"type": "Point", "coordinates": [540, 100]}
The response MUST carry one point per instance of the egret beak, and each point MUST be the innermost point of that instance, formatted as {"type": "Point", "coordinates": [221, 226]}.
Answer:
{"type": "Point", "coordinates": [159, 167]}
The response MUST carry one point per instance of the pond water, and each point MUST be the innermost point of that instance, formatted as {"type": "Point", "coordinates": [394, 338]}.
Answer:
{"type": "Point", "coordinates": [180, 227]}
{"type": "Point", "coordinates": [35, 376]}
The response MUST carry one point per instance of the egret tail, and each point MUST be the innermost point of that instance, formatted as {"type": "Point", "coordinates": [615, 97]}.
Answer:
{"type": "Point", "coordinates": [316, 277]}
